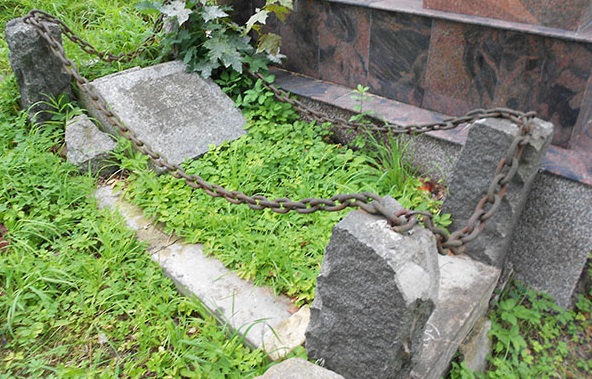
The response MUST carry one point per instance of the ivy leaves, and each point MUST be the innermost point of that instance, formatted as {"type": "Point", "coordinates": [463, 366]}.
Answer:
{"type": "Point", "coordinates": [207, 39]}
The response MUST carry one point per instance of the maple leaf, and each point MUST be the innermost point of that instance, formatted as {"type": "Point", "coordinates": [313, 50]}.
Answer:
{"type": "Point", "coordinates": [283, 3]}
{"type": "Point", "coordinates": [260, 17]}
{"type": "Point", "coordinates": [176, 9]}
{"type": "Point", "coordinates": [269, 43]}
{"type": "Point", "coordinates": [226, 49]}
{"type": "Point", "coordinates": [280, 11]}
{"type": "Point", "coordinates": [212, 12]}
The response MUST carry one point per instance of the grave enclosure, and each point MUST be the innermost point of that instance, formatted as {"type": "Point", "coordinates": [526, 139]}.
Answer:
{"type": "Point", "coordinates": [385, 297]}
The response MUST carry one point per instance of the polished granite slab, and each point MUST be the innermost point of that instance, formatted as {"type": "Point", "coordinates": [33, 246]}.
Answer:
{"type": "Point", "coordinates": [562, 14]}
{"type": "Point", "coordinates": [575, 165]}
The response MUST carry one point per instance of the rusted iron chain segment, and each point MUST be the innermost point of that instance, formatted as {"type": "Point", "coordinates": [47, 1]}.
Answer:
{"type": "Point", "coordinates": [401, 221]}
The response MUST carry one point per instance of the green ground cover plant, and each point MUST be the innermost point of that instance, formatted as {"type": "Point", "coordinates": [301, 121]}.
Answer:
{"type": "Point", "coordinates": [532, 337]}
{"type": "Point", "coordinates": [79, 296]}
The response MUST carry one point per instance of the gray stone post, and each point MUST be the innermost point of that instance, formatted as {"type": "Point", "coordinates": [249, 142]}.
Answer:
{"type": "Point", "coordinates": [376, 290]}
{"type": "Point", "coordinates": [40, 74]}
{"type": "Point", "coordinates": [487, 142]}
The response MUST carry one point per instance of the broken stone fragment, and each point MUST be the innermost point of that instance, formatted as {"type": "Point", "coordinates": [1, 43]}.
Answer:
{"type": "Point", "coordinates": [376, 290]}
{"type": "Point", "coordinates": [88, 148]}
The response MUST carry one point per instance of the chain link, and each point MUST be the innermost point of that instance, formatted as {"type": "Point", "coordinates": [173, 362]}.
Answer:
{"type": "Point", "coordinates": [402, 221]}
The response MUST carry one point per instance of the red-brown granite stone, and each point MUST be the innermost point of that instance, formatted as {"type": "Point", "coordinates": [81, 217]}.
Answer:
{"type": "Point", "coordinates": [398, 56]}
{"type": "Point", "coordinates": [300, 37]}
{"type": "Point", "coordinates": [344, 40]}
{"type": "Point", "coordinates": [562, 14]}
{"type": "Point", "coordinates": [463, 68]}
{"type": "Point", "coordinates": [547, 76]}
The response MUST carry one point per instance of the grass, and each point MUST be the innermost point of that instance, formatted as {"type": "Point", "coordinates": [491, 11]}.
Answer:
{"type": "Point", "coordinates": [110, 25]}
{"type": "Point", "coordinates": [79, 296]}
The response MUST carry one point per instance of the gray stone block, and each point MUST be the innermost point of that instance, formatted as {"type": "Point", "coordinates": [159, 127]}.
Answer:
{"type": "Point", "coordinates": [477, 346]}
{"type": "Point", "coordinates": [465, 288]}
{"type": "Point", "coordinates": [39, 73]}
{"type": "Point", "coordinates": [554, 237]}
{"type": "Point", "coordinates": [88, 148]}
{"type": "Point", "coordinates": [374, 294]}
{"type": "Point", "coordinates": [487, 143]}
{"type": "Point", "coordinates": [296, 368]}
{"type": "Point", "coordinates": [178, 114]}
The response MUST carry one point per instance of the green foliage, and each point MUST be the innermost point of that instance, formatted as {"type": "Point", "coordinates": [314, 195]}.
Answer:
{"type": "Point", "coordinates": [110, 25]}
{"type": "Point", "coordinates": [533, 337]}
{"type": "Point", "coordinates": [281, 156]}
{"type": "Point", "coordinates": [207, 39]}
{"type": "Point", "coordinates": [79, 296]}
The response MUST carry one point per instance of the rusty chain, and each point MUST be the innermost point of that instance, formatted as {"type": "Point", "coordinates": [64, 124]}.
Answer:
{"type": "Point", "coordinates": [402, 221]}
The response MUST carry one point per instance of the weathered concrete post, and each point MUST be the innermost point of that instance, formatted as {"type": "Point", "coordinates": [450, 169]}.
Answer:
{"type": "Point", "coordinates": [376, 290]}
{"type": "Point", "coordinates": [487, 142]}
{"type": "Point", "coordinates": [39, 74]}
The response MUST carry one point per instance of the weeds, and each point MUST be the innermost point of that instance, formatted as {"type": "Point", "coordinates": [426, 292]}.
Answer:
{"type": "Point", "coordinates": [533, 337]}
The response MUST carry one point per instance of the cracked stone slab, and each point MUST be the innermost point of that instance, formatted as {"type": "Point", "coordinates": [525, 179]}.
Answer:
{"type": "Point", "coordinates": [247, 308]}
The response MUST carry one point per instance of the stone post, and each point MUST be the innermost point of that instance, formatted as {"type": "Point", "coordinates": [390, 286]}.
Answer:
{"type": "Point", "coordinates": [487, 142]}
{"type": "Point", "coordinates": [376, 290]}
{"type": "Point", "coordinates": [39, 73]}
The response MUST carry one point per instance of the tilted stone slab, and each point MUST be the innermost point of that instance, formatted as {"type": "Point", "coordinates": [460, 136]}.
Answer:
{"type": "Point", "coordinates": [178, 114]}
{"type": "Point", "coordinates": [375, 292]}
{"type": "Point", "coordinates": [487, 142]}
{"type": "Point", "coordinates": [465, 289]}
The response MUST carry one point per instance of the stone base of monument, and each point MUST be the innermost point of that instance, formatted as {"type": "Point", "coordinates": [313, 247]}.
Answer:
{"type": "Point", "coordinates": [466, 287]}
{"type": "Point", "coordinates": [178, 114]}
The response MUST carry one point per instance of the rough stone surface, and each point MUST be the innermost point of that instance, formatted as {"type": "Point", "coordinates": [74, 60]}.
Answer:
{"type": "Point", "coordinates": [287, 335]}
{"type": "Point", "coordinates": [554, 237]}
{"type": "Point", "coordinates": [87, 147]}
{"type": "Point", "coordinates": [39, 73]}
{"type": "Point", "coordinates": [477, 346]}
{"type": "Point", "coordinates": [465, 288]}
{"type": "Point", "coordinates": [178, 114]}
{"type": "Point", "coordinates": [250, 310]}
{"type": "Point", "coordinates": [487, 143]}
{"type": "Point", "coordinates": [296, 368]}
{"type": "Point", "coordinates": [375, 292]}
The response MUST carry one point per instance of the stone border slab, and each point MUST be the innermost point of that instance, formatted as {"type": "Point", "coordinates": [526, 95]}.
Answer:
{"type": "Point", "coordinates": [465, 289]}
{"type": "Point", "coordinates": [245, 307]}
